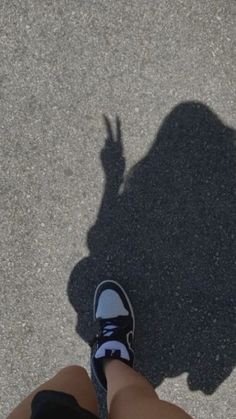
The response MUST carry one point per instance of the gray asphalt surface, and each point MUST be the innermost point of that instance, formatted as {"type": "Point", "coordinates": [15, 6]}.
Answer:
{"type": "Point", "coordinates": [64, 64]}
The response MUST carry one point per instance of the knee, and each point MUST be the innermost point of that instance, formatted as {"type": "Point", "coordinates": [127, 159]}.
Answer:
{"type": "Point", "coordinates": [74, 371]}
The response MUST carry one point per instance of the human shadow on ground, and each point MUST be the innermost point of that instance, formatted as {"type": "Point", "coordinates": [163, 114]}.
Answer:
{"type": "Point", "coordinates": [166, 233]}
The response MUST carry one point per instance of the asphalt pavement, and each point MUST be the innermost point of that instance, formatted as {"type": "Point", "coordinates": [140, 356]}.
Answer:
{"type": "Point", "coordinates": [166, 225]}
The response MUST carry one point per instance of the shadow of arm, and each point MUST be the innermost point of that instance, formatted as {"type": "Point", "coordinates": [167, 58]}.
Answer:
{"type": "Point", "coordinates": [113, 163]}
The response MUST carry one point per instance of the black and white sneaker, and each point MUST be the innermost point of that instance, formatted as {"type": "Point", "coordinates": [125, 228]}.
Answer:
{"type": "Point", "coordinates": [115, 318]}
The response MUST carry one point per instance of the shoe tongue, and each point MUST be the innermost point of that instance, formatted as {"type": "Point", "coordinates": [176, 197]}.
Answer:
{"type": "Point", "coordinates": [112, 353]}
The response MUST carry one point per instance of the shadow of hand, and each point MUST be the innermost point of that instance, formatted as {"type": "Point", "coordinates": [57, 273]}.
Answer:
{"type": "Point", "coordinates": [112, 158]}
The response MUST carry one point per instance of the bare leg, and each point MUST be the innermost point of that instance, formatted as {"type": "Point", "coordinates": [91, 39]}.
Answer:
{"type": "Point", "coordinates": [131, 396]}
{"type": "Point", "coordinates": [72, 380]}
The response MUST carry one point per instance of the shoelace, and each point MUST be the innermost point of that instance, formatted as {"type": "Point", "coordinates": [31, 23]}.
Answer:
{"type": "Point", "coordinates": [108, 329]}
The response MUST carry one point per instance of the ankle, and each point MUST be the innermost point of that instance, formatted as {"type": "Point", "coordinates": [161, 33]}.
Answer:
{"type": "Point", "coordinates": [107, 364]}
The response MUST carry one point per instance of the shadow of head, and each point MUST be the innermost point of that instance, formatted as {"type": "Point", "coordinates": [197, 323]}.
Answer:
{"type": "Point", "coordinates": [168, 238]}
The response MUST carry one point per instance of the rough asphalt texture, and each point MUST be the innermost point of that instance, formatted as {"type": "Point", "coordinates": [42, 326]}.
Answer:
{"type": "Point", "coordinates": [168, 235]}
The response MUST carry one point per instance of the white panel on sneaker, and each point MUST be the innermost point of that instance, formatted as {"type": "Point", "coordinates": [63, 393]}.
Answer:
{"type": "Point", "coordinates": [110, 305]}
{"type": "Point", "coordinates": [112, 345]}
